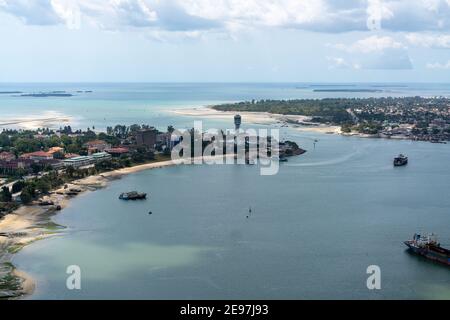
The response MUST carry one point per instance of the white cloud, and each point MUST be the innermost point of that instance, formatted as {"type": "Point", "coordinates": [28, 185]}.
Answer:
{"type": "Point", "coordinates": [341, 63]}
{"type": "Point", "coordinates": [375, 52]}
{"type": "Point", "coordinates": [439, 41]}
{"type": "Point", "coordinates": [437, 65]}
{"type": "Point", "coordinates": [32, 12]}
{"type": "Point", "coordinates": [188, 15]}
{"type": "Point", "coordinates": [371, 44]}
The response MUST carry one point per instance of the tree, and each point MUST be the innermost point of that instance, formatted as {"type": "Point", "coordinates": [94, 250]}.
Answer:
{"type": "Point", "coordinates": [18, 186]}
{"type": "Point", "coordinates": [26, 196]}
{"type": "Point", "coordinates": [5, 195]}
{"type": "Point", "coordinates": [43, 186]}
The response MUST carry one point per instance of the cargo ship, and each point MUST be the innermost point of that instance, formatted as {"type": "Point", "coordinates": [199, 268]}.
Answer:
{"type": "Point", "coordinates": [133, 195]}
{"type": "Point", "coordinates": [401, 160]}
{"type": "Point", "coordinates": [429, 247]}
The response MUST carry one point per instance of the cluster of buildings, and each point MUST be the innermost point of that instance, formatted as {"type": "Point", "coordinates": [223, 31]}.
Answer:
{"type": "Point", "coordinates": [9, 163]}
{"type": "Point", "coordinates": [97, 151]}
{"type": "Point", "coordinates": [435, 131]}
{"type": "Point", "coordinates": [414, 118]}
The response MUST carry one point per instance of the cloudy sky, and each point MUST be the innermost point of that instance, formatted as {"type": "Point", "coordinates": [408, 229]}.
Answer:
{"type": "Point", "coordinates": [225, 40]}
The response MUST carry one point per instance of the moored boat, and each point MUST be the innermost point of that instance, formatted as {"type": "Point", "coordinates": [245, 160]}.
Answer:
{"type": "Point", "coordinates": [401, 160]}
{"type": "Point", "coordinates": [429, 247]}
{"type": "Point", "coordinates": [133, 195]}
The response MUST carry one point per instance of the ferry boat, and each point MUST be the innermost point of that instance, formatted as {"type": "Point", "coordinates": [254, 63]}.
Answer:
{"type": "Point", "coordinates": [133, 195]}
{"type": "Point", "coordinates": [429, 247]}
{"type": "Point", "coordinates": [401, 160]}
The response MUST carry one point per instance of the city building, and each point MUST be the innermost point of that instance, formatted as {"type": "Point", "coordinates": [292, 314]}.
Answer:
{"type": "Point", "coordinates": [147, 138]}
{"type": "Point", "coordinates": [14, 165]}
{"type": "Point", "coordinates": [237, 121]}
{"type": "Point", "coordinates": [37, 156]}
{"type": "Point", "coordinates": [167, 140]}
{"type": "Point", "coordinates": [97, 146]}
{"type": "Point", "coordinates": [56, 150]}
{"type": "Point", "coordinates": [55, 164]}
{"type": "Point", "coordinates": [101, 156]}
{"type": "Point", "coordinates": [71, 155]}
{"type": "Point", "coordinates": [7, 156]}
{"type": "Point", "coordinates": [117, 152]}
{"type": "Point", "coordinates": [85, 161]}
{"type": "Point", "coordinates": [79, 162]}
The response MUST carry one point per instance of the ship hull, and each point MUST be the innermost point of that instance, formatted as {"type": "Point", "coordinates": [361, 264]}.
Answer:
{"type": "Point", "coordinates": [400, 163]}
{"type": "Point", "coordinates": [127, 197]}
{"type": "Point", "coordinates": [429, 254]}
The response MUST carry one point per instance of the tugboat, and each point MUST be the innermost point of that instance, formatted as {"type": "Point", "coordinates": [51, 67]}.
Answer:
{"type": "Point", "coordinates": [429, 247]}
{"type": "Point", "coordinates": [401, 160]}
{"type": "Point", "coordinates": [133, 195]}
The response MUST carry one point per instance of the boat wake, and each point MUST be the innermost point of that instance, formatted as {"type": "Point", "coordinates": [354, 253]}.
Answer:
{"type": "Point", "coordinates": [330, 162]}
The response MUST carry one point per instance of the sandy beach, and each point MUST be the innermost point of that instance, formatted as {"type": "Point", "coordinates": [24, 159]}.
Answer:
{"type": "Point", "coordinates": [33, 222]}
{"type": "Point", "coordinates": [264, 118]}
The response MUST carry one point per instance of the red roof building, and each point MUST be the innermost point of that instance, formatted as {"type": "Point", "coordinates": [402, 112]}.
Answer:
{"type": "Point", "coordinates": [38, 155]}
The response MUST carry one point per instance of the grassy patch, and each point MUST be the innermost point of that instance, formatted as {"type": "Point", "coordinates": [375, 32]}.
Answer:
{"type": "Point", "coordinates": [51, 226]}
{"type": "Point", "coordinates": [10, 285]}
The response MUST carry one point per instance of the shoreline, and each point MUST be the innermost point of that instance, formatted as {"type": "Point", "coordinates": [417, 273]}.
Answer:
{"type": "Point", "coordinates": [263, 118]}
{"type": "Point", "coordinates": [281, 120]}
{"type": "Point", "coordinates": [31, 223]}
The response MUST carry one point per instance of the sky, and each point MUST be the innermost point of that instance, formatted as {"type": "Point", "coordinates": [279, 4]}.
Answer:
{"type": "Point", "coordinates": [225, 41]}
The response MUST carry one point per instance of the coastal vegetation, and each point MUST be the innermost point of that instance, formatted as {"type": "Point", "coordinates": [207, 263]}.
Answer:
{"type": "Point", "coordinates": [326, 110]}
{"type": "Point", "coordinates": [415, 118]}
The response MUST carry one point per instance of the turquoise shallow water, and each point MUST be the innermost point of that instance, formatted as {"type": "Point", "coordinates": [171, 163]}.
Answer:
{"type": "Point", "coordinates": [315, 227]}
{"type": "Point", "coordinates": [110, 104]}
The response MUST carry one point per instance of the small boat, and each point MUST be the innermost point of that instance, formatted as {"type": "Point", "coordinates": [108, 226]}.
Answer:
{"type": "Point", "coordinates": [283, 159]}
{"type": "Point", "coordinates": [428, 247]}
{"type": "Point", "coordinates": [133, 195]}
{"type": "Point", "coordinates": [401, 160]}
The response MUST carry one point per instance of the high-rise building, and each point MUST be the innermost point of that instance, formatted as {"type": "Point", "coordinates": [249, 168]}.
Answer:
{"type": "Point", "coordinates": [147, 138]}
{"type": "Point", "coordinates": [237, 122]}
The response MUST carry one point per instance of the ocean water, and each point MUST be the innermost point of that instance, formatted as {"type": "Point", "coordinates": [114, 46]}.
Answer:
{"type": "Point", "coordinates": [110, 104]}
{"type": "Point", "coordinates": [314, 229]}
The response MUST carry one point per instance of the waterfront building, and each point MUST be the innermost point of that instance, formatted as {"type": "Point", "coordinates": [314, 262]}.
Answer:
{"type": "Point", "coordinates": [78, 162]}
{"type": "Point", "coordinates": [54, 163]}
{"type": "Point", "coordinates": [237, 122]}
{"type": "Point", "coordinates": [101, 156]}
{"type": "Point", "coordinates": [147, 138]}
